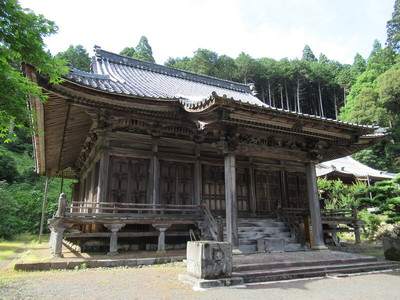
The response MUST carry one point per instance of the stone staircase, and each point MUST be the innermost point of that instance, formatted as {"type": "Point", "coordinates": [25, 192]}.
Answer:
{"type": "Point", "coordinates": [256, 271]}
{"type": "Point", "coordinates": [264, 235]}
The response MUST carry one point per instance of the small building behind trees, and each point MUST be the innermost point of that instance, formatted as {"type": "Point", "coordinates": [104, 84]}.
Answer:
{"type": "Point", "coordinates": [349, 170]}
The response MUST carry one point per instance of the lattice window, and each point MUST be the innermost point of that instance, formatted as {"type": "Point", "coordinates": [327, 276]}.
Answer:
{"type": "Point", "coordinates": [268, 191]}
{"type": "Point", "coordinates": [214, 187]}
{"type": "Point", "coordinates": [128, 180]}
{"type": "Point", "coordinates": [176, 183]}
{"type": "Point", "coordinates": [297, 191]}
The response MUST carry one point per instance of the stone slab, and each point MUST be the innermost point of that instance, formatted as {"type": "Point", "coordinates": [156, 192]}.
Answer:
{"type": "Point", "coordinates": [199, 284]}
{"type": "Point", "coordinates": [95, 263]}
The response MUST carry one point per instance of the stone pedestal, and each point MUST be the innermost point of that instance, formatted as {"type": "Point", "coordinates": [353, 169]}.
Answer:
{"type": "Point", "coordinates": [161, 237]}
{"type": "Point", "coordinates": [114, 228]}
{"type": "Point", "coordinates": [57, 229]}
{"type": "Point", "coordinates": [209, 260]}
{"type": "Point", "coordinates": [391, 248]}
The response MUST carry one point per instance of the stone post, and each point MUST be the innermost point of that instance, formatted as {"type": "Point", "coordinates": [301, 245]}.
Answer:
{"type": "Point", "coordinates": [315, 210]}
{"type": "Point", "coordinates": [356, 225]}
{"type": "Point", "coordinates": [161, 237]}
{"type": "Point", "coordinates": [114, 228]}
{"type": "Point", "coordinates": [231, 200]}
{"type": "Point", "coordinates": [62, 202]}
{"type": "Point", "coordinates": [56, 237]}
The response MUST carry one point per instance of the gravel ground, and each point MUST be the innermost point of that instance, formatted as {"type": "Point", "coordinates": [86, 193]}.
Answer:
{"type": "Point", "coordinates": [160, 282]}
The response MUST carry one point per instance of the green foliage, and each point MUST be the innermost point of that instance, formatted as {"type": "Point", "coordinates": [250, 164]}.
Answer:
{"type": "Point", "coordinates": [21, 197]}
{"type": "Point", "coordinates": [337, 195]}
{"type": "Point", "coordinates": [386, 198]}
{"type": "Point", "coordinates": [9, 221]}
{"type": "Point", "coordinates": [8, 168]}
{"type": "Point", "coordinates": [308, 55]}
{"type": "Point", "coordinates": [393, 28]}
{"type": "Point", "coordinates": [77, 57]}
{"type": "Point", "coordinates": [359, 64]}
{"type": "Point", "coordinates": [372, 223]}
{"type": "Point", "coordinates": [128, 51]}
{"type": "Point", "coordinates": [142, 51]}
{"type": "Point", "coordinates": [21, 40]}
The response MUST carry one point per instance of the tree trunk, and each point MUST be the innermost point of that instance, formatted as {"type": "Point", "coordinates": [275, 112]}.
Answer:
{"type": "Point", "coordinates": [269, 92]}
{"type": "Point", "coordinates": [335, 103]}
{"type": "Point", "coordinates": [287, 97]}
{"type": "Point", "coordinates": [320, 99]}
{"type": "Point", "coordinates": [298, 95]}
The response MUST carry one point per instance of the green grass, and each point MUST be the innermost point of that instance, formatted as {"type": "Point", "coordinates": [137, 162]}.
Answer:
{"type": "Point", "coordinates": [9, 248]}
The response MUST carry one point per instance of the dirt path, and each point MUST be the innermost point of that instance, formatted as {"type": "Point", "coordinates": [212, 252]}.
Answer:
{"type": "Point", "coordinates": [160, 282]}
{"type": "Point", "coordinates": [19, 254]}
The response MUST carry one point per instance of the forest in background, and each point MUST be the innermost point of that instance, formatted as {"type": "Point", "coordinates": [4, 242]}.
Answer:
{"type": "Point", "coordinates": [365, 92]}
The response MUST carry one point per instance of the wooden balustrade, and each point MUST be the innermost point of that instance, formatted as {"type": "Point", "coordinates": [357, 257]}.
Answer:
{"type": "Point", "coordinates": [294, 219]}
{"type": "Point", "coordinates": [114, 209]}
{"type": "Point", "coordinates": [342, 220]}
{"type": "Point", "coordinates": [210, 222]}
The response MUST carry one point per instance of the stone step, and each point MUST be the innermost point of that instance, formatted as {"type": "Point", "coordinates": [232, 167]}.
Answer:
{"type": "Point", "coordinates": [286, 273]}
{"type": "Point", "coordinates": [259, 235]}
{"type": "Point", "coordinates": [301, 263]}
{"type": "Point", "coordinates": [248, 248]}
{"type": "Point", "coordinates": [262, 224]}
{"type": "Point", "coordinates": [261, 229]}
{"type": "Point", "coordinates": [254, 241]}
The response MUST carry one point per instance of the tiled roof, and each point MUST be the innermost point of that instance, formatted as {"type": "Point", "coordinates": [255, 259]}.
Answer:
{"type": "Point", "coordinates": [349, 166]}
{"type": "Point", "coordinates": [124, 75]}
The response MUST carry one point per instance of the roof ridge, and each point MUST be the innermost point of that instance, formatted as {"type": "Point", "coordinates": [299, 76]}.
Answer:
{"type": "Point", "coordinates": [171, 71]}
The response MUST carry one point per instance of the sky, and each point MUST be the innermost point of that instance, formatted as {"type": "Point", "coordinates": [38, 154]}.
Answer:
{"type": "Point", "coordinates": [261, 28]}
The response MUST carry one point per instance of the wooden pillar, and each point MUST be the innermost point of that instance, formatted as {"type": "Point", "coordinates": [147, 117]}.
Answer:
{"type": "Point", "coordinates": [102, 185]}
{"type": "Point", "coordinates": [252, 189]}
{"type": "Point", "coordinates": [315, 210]}
{"type": "Point", "coordinates": [153, 188]}
{"type": "Point", "coordinates": [46, 185]}
{"type": "Point", "coordinates": [283, 199]}
{"type": "Point", "coordinates": [197, 184]}
{"type": "Point", "coordinates": [231, 200]}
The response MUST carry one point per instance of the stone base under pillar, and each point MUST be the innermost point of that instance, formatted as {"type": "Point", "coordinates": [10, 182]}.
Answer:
{"type": "Point", "coordinates": [319, 247]}
{"type": "Point", "coordinates": [236, 251]}
{"type": "Point", "coordinates": [112, 253]}
{"type": "Point", "coordinates": [55, 255]}
{"type": "Point", "coordinates": [201, 284]}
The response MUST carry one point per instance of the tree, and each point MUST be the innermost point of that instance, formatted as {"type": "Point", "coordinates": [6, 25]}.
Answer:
{"type": "Point", "coordinates": [246, 67]}
{"type": "Point", "coordinates": [128, 51]}
{"type": "Point", "coordinates": [225, 68]}
{"type": "Point", "coordinates": [143, 50]}
{"type": "Point", "coordinates": [393, 28]}
{"type": "Point", "coordinates": [359, 64]}
{"type": "Point", "coordinates": [77, 57]}
{"type": "Point", "coordinates": [308, 55]}
{"type": "Point", "coordinates": [204, 62]}
{"type": "Point", "coordinates": [21, 40]}
{"type": "Point", "coordinates": [387, 198]}
{"type": "Point", "coordinates": [389, 92]}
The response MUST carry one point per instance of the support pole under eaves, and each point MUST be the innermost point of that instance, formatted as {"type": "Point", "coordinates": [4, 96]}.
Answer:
{"type": "Point", "coordinates": [46, 185]}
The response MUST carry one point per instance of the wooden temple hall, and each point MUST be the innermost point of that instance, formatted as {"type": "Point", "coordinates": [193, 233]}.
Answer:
{"type": "Point", "coordinates": [162, 156]}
